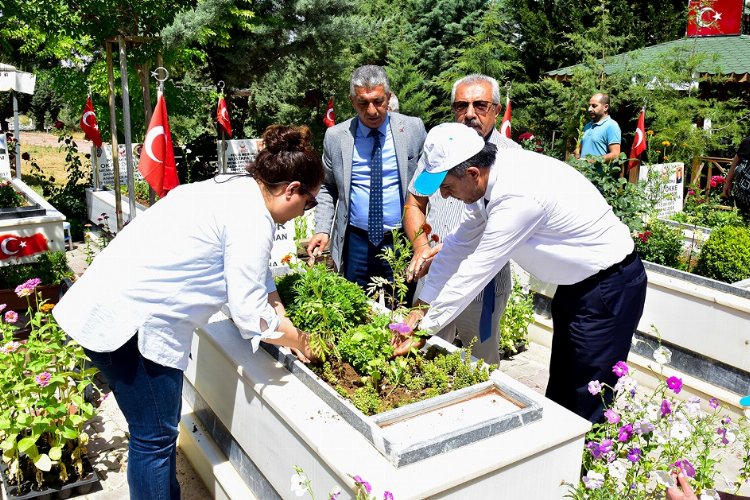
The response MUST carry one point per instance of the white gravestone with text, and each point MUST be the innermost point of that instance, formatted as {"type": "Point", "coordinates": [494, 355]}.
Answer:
{"type": "Point", "coordinates": [669, 178]}
{"type": "Point", "coordinates": [105, 168]}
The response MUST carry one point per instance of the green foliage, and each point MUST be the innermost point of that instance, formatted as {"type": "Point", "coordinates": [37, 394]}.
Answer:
{"type": "Point", "coordinates": [518, 314]}
{"type": "Point", "coordinates": [706, 210]}
{"type": "Point", "coordinates": [9, 197]}
{"type": "Point", "coordinates": [50, 267]}
{"type": "Point", "coordinates": [659, 243]}
{"type": "Point", "coordinates": [367, 400]}
{"type": "Point", "coordinates": [42, 405]}
{"type": "Point", "coordinates": [398, 258]}
{"type": "Point", "coordinates": [726, 255]}
{"type": "Point", "coordinates": [628, 200]}
{"type": "Point", "coordinates": [322, 303]}
{"type": "Point", "coordinates": [409, 83]}
{"type": "Point", "coordinates": [367, 346]}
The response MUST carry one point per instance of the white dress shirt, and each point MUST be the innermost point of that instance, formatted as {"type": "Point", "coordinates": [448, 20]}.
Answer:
{"type": "Point", "coordinates": [204, 245]}
{"type": "Point", "coordinates": [538, 211]}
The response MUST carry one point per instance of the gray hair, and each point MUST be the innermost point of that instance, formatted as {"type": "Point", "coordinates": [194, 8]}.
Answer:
{"type": "Point", "coordinates": [478, 78]}
{"type": "Point", "coordinates": [369, 77]}
{"type": "Point", "coordinates": [393, 103]}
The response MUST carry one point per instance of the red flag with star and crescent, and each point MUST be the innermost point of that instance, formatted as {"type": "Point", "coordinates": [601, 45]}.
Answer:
{"type": "Point", "coordinates": [714, 17]}
{"type": "Point", "coordinates": [89, 125]}
{"type": "Point", "coordinates": [639, 141]}
{"type": "Point", "coordinates": [12, 245]}
{"type": "Point", "coordinates": [222, 116]}
{"type": "Point", "coordinates": [505, 128]}
{"type": "Point", "coordinates": [157, 163]}
{"type": "Point", "coordinates": [330, 119]}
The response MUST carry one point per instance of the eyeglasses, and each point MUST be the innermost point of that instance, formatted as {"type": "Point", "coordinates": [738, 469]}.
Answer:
{"type": "Point", "coordinates": [312, 202]}
{"type": "Point", "coordinates": [481, 107]}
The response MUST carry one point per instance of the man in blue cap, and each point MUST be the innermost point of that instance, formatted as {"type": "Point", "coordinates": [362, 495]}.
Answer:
{"type": "Point", "coordinates": [553, 222]}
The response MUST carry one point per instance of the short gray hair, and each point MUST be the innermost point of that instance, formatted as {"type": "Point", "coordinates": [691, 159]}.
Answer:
{"type": "Point", "coordinates": [393, 103]}
{"type": "Point", "coordinates": [478, 78]}
{"type": "Point", "coordinates": [369, 77]}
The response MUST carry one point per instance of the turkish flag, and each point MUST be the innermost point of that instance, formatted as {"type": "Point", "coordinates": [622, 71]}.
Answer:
{"type": "Point", "coordinates": [639, 141]}
{"type": "Point", "coordinates": [222, 116]}
{"type": "Point", "coordinates": [714, 17]}
{"type": "Point", "coordinates": [89, 125]}
{"type": "Point", "coordinates": [505, 127]}
{"type": "Point", "coordinates": [12, 245]}
{"type": "Point", "coordinates": [157, 163]}
{"type": "Point", "coordinates": [330, 119]}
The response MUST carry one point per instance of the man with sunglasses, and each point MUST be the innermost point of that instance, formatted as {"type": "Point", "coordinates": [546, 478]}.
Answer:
{"type": "Point", "coordinates": [475, 102]}
{"type": "Point", "coordinates": [368, 161]}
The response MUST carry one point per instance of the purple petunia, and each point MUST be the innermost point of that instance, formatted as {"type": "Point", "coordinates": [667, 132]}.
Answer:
{"type": "Point", "coordinates": [387, 495]}
{"type": "Point", "coordinates": [361, 482]}
{"type": "Point", "coordinates": [595, 387]}
{"type": "Point", "coordinates": [625, 433]}
{"type": "Point", "coordinates": [599, 450]}
{"type": "Point", "coordinates": [674, 383]}
{"type": "Point", "coordinates": [401, 328]}
{"type": "Point", "coordinates": [686, 467]}
{"type": "Point", "coordinates": [666, 408]}
{"type": "Point", "coordinates": [713, 403]}
{"type": "Point", "coordinates": [620, 369]}
{"type": "Point", "coordinates": [634, 454]}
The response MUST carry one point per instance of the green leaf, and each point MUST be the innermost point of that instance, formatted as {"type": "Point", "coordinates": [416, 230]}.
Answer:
{"type": "Point", "coordinates": [9, 443]}
{"type": "Point", "coordinates": [55, 453]}
{"type": "Point", "coordinates": [43, 462]}
{"type": "Point", "coordinates": [70, 433]}
{"type": "Point", "coordinates": [28, 445]}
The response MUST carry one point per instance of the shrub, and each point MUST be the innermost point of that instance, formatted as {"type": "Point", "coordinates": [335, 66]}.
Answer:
{"type": "Point", "coordinates": [659, 243]}
{"type": "Point", "coordinates": [50, 267]}
{"type": "Point", "coordinates": [9, 197]}
{"type": "Point", "coordinates": [726, 255]}
{"type": "Point", "coordinates": [514, 324]}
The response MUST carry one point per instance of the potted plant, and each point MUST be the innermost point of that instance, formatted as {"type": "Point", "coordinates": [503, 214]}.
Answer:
{"type": "Point", "coordinates": [51, 268]}
{"type": "Point", "coordinates": [42, 406]}
{"type": "Point", "coordinates": [514, 324]}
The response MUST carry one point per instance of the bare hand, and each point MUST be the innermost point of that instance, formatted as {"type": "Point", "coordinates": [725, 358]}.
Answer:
{"type": "Point", "coordinates": [420, 262]}
{"type": "Point", "coordinates": [403, 343]}
{"type": "Point", "coordinates": [303, 352]}
{"type": "Point", "coordinates": [682, 492]}
{"type": "Point", "coordinates": [317, 245]}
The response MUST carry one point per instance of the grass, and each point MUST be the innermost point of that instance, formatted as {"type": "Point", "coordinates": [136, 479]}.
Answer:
{"type": "Point", "coordinates": [48, 154]}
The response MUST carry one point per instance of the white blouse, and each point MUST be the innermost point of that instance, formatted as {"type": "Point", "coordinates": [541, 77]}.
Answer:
{"type": "Point", "coordinates": [204, 245]}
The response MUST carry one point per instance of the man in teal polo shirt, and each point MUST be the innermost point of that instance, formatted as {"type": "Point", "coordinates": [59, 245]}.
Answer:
{"type": "Point", "coordinates": [601, 136]}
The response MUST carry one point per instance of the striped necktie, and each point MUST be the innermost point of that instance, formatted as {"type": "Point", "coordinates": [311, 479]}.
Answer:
{"type": "Point", "coordinates": [375, 216]}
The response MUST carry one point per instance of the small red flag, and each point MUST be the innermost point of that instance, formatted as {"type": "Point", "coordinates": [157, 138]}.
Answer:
{"type": "Point", "coordinates": [330, 118]}
{"type": "Point", "coordinates": [12, 245]}
{"type": "Point", "coordinates": [157, 163]}
{"type": "Point", "coordinates": [89, 125]}
{"type": "Point", "coordinates": [505, 127]}
{"type": "Point", "coordinates": [639, 141]}
{"type": "Point", "coordinates": [222, 116]}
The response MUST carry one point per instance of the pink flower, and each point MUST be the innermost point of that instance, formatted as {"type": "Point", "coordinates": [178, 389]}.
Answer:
{"type": "Point", "coordinates": [666, 408]}
{"type": "Point", "coordinates": [686, 467]}
{"type": "Point", "coordinates": [401, 328]}
{"type": "Point", "coordinates": [10, 347]}
{"type": "Point", "coordinates": [595, 387]}
{"type": "Point", "coordinates": [43, 379]}
{"type": "Point", "coordinates": [625, 433]}
{"type": "Point", "coordinates": [620, 369]}
{"type": "Point", "coordinates": [2, 307]}
{"type": "Point", "coordinates": [713, 403]}
{"type": "Point", "coordinates": [675, 384]}
{"type": "Point", "coordinates": [612, 416]}
{"type": "Point", "coordinates": [11, 317]}
{"type": "Point", "coordinates": [387, 495]}
{"type": "Point", "coordinates": [28, 287]}
{"type": "Point", "coordinates": [361, 482]}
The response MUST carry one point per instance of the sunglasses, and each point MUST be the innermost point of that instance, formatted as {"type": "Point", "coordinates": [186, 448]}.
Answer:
{"type": "Point", "coordinates": [481, 107]}
{"type": "Point", "coordinates": [312, 202]}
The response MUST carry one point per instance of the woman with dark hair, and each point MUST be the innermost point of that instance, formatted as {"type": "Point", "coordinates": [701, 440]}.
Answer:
{"type": "Point", "coordinates": [204, 245]}
{"type": "Point", "coordinates": [737, 184]}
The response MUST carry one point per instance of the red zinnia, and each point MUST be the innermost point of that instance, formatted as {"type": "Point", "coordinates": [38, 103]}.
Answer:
{"type": "Point", "coordinates": [426, 228]}
{"type": "Point", "coordinates": [435, 238]}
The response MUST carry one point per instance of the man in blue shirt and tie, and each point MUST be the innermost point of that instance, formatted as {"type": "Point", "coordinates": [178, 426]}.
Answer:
{"type": "Point", "coordinates": [368, 161]}
{"type": "Point", "coordinates": [601, 136]}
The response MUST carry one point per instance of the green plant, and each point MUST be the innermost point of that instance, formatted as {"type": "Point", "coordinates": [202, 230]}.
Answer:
{"type": "Point", "coordinates": [647, 434]}
{"type": "Point", "coordinates": [51, 267]}
{"type": "Point", "coordinates": [365, 343]}
{"type": "Point", "coordinates": [9, 197]}
{"type": "Point", "coordinates": [518, 314]}
{"type": "Point", "coordinates": [398, 258]}
{"type": "Point", "coordinates": [726, 255]}
{"type": "Point", "coordinates": [93, 244]}
{"type": "Point", "coordinates": [659, 243]}
{"type": "Point", "coordinates": [322, 303]}
{"type": "Point", "coordinates": [629, 201]}
{"type": "Point", "coordinates": [42, 405]}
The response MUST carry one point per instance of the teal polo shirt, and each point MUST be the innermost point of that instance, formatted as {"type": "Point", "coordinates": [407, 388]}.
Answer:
{"type": "Point", "coordinates": [598, 136]}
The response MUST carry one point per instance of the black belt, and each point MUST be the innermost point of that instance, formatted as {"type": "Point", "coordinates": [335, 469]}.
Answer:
{"type": "Point", "coordinates": [615, 268]}
{"type": "Point", "coordinates": [387, 235]}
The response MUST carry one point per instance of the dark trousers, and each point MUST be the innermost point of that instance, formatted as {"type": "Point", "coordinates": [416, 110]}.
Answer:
{"type": "Point", "coordinates": [594, 322]}
{"type": "Point", "coordinates": [361, 261]}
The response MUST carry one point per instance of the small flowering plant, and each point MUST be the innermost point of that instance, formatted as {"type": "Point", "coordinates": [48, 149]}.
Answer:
{"type": "Point", "coordinates": [647, 435]}
{"type": "Point", "coordinates": [42, 405]}
{"type": "Point", "coordinates": [301, 486]}
{"type": "Point", "coordinates": [9, 197]}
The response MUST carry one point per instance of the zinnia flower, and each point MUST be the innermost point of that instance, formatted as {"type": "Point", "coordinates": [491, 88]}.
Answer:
{"type": "Point", "coordinates": [10, 347]}
{"type": "Point", "coordinates": [675, 384]}
{"type": "Point", "coordinates": [426, 229]}
{"type": "Point", "coordinates": [43, 379]}
{"type": "Point", "coordinates": [2, 307]}
{"type": "Point", "coordinates": [435, 238]}
{"type": "Point", "coordinates": [11, 317]}
{"type": "Point", "coordinates": [595, 387]}
{"type": "Point", "coordinates": [666, 144]}
{"type": "Point", "coordinates": [620, 369]}
{"type": "Point", "coordinates": [47, 307]}
{"type": "Point", "coordinates": [28, 287]}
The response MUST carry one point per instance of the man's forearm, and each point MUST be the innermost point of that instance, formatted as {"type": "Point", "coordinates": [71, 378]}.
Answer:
{"type": "Point", "coordinates": [415, 210]}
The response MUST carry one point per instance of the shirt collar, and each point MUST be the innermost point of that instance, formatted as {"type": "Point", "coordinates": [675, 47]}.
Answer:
{"type": "Point", "coordinates": [602, 121]}
{"type": "Point", "coordinates": [364, 131]}
{"type": "Point", "coordinates": [491, 178]}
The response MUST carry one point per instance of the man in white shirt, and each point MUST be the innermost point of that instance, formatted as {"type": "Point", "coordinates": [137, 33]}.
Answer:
{"type": "Point", "coordinates": [552, 221]}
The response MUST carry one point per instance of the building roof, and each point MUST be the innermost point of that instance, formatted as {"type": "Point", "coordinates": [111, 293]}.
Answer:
{"type": "Point", "coordinates": [726, 55]}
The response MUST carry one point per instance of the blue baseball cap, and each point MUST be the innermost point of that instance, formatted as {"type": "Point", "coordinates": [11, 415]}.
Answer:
{"type": "Point", "coordinates": [447, 145]}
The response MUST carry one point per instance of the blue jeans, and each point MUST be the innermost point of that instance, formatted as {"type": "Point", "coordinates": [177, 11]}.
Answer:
{"type": "Point", "coordinates": [150, 398]}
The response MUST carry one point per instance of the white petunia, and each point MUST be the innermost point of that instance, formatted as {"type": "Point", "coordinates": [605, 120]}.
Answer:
{"type": "Point", "coordinates": [679, 432]}
{"type": "Point", "coordinates": [593, 480]}
{"type": "Point", "coordinates": [662, 355]}
{"type": "Point", "coordinates": [299, 484]}
{"type": "Point", "coordinates": [617, 470]}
